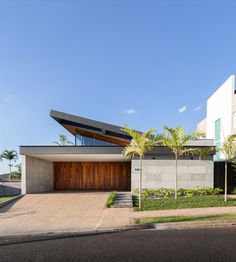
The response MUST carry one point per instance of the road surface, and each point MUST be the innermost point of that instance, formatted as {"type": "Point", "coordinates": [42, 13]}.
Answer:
{"type": "Point", "coordinates": [209, 244]}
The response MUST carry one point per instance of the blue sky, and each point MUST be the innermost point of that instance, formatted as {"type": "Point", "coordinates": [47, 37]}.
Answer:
{"type": "Point", "coordinates": [134, 62]}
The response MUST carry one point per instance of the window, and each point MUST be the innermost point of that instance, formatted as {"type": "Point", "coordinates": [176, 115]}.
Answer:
{"type": "Point", "coordinates": [89, 141]}
{"type": "Point", "coordinates": [217, 137]}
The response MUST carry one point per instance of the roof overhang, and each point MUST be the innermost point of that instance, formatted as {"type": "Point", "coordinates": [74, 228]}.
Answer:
{"type": "Point", "coordinates": [77, 125]}
{"type": "Point", "coordinates": [75, 153]}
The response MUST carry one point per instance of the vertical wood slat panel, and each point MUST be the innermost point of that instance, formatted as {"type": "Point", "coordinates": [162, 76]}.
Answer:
{"type": "Point", "coordinates": [92, 175]}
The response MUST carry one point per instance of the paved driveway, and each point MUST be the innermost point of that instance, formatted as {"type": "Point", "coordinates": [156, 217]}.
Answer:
{"type": "Point", "coordinates": [65, 211]}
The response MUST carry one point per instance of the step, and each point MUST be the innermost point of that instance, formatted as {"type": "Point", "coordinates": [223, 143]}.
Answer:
{"type": "Point", "coordinates": [123, 200]}
{"type": "Point", "coordinates": [123, 206]}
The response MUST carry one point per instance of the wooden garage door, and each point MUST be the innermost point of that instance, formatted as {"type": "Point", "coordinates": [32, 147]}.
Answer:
{"type": "Point", "coordinates": [92, 175]}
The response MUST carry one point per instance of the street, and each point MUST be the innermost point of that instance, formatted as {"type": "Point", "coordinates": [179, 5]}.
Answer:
{"type": "Point", "coordinates": [209, 244]}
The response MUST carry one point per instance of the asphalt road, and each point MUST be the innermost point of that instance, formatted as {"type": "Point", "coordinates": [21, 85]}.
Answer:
{"type": "Point", "coordinates": [212, 244]}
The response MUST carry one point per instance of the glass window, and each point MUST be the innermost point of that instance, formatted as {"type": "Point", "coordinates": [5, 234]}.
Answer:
{"type": "Point", "coordinates": [89, 141]}
{"type": "Point", "coordinates": [217, 137]}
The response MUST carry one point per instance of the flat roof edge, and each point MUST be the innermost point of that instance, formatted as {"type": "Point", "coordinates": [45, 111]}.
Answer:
{"type": "Point", "coordinates": [29, 150]}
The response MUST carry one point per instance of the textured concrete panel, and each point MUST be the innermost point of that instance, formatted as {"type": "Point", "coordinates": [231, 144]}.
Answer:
{"type": "Point", "coordinates": [161, 173]}
{"type": "Point", "coordinates": [37, 175]}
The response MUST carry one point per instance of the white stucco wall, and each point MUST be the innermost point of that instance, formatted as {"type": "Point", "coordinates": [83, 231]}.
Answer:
{"type": "Point", "coordinates": [37, 175]}
{"type": "Point", "coordinates": [219, 105]}
{"type": "Point", "coordinates": [161, 174]}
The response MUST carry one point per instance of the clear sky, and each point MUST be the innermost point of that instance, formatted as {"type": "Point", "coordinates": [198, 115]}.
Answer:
{"type": "Point", "coordinates": [144, 63]}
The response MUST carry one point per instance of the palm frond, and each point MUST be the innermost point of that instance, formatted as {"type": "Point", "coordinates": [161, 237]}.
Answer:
{"type": "Point", "coordinates": [228, 148]}
{"type": "Point", "coordinates": [140, 143]}
{"type": "Point", "coordinates": [9, 155]}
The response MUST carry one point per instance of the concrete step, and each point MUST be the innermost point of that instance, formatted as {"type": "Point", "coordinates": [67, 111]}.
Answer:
{"type": "Point", "coordinates": [123, 200]}
{"type": "Point", "coordinates": [123, 206]}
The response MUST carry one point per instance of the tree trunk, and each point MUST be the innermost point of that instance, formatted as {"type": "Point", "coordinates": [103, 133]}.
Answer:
{"type": "Point", "coordinates": [176, 174]}
{"type": "Point", "coordinates": [10, 170]}
{"type": "Point", "coordinates": [226, 174]}
{"type": "Point", "coordinates": [140, 184]}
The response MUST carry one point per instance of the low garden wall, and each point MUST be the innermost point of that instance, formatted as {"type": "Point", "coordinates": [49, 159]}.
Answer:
{"type": "Point", "coordinates": [9, 188]}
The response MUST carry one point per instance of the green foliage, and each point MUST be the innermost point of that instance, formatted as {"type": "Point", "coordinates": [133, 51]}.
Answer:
{"type": "Point", "coordinates": [63, 141]}
{"type": "Point", "coordinates": [176, 138]}
{"type": "Point", "coordinates": [229, 147]}
{"type": "Point", "coordinates": [182, 192]}
{"type": "Point", "coordinates": [185, 202]}
{"type": "Point", "coordinates": [141, 142]}
{"type": "Point", "coordinates": [111, 199]}
{"type": "Point", "coordinates": [9, 155]}
{"type": "Point", "coordinates": [233, 191]}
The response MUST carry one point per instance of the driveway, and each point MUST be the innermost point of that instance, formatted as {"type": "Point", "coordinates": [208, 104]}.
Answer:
{"type": "Point", "coordinates": [60, 211]}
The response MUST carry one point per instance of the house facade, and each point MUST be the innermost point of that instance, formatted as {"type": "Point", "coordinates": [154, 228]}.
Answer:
{"type": "Point", "coordinates": [220, 120]}
{"type": "Point", "coordinates": [96, 162]}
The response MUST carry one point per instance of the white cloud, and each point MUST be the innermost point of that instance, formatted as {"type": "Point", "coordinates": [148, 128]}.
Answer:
{"type": "Point", "coordinates": [197, 108]}
{"type": "Point", "coordinates": [131, 111]}
{"type": "Point", "coordinates": [182, 109]}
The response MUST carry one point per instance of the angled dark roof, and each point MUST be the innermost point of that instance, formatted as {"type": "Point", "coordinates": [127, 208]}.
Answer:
{"type": "Point", "coordinates": [91, 128]}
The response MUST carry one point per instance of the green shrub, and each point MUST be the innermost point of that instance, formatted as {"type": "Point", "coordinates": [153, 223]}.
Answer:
{"type": "Point", "coordinates": [233, 191]}
{"type": "Point", "coordinates": [111, 199]}
{"type": "Point", "coordinates": [182, 192]}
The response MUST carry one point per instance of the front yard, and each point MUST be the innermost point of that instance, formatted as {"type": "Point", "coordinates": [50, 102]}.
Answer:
{"type": "Point", "coordinates": [185, 202]}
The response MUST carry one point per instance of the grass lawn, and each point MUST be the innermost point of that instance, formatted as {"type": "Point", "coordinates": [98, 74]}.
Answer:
{"type": "Point", "coordinates": [5, 198]}
{"type": "Point", "coordinates": [185, 202]}
{"type": "Point", "coordinates": [154, 220]}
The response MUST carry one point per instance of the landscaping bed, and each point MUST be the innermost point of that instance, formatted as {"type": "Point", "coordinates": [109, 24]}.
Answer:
{"type": "Point", "coordinates": [184, 202]}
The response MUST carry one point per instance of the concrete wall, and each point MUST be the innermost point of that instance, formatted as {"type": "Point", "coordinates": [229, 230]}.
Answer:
{"type": "Point", "coordinates": [5, 177]}
{"type": "Point", "coordinates": [37, 175]}
{"type": "Point", "coordinates": [8, 188]}
{"type": "Point", "coordinates": [161, 174]}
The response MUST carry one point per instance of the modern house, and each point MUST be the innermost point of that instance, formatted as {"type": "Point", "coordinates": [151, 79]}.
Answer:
{"type": "Point", "coordinates": [96, 162]}
{"type": "Point", "coordinates": [220, 120]}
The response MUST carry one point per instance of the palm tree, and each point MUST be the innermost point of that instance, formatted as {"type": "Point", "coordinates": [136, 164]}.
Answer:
{"type": "Point", "coordinates": [10, 155]}
{"type": "Point", "coordinates": [63, 141]}
{"type": "Point", "coordinates": [228, 148]}
{"type": "Point", "coordinates": [139, 145]}
{"type": "Point", "coordinates": [17, 174]}
{"type": "Point", "coordinates": [176, 139]}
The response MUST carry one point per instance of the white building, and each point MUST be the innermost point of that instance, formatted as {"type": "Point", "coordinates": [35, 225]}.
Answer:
{"type": "Point", "coordinates": [220, 121]}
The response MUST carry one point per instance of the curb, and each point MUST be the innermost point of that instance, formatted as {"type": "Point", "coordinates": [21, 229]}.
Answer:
{"type": "Point", "coordinates": [191, 225]}
{"type": "Point", "coordinates": [10, 201]}
{"type": "Point", "coordinates": [44, 236]}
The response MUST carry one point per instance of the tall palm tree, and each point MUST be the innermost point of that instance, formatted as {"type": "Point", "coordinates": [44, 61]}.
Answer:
{"type": "Point", "coordinates": [63, 141]}
{"type": "Point", "coordinates": [176, 139]}
{"type": "Point", "coordinates": [139, 145]}
{"type": "Point", "coordinates": [10, 155]}
{"type": "Point", "coordinates": [228, 148]}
